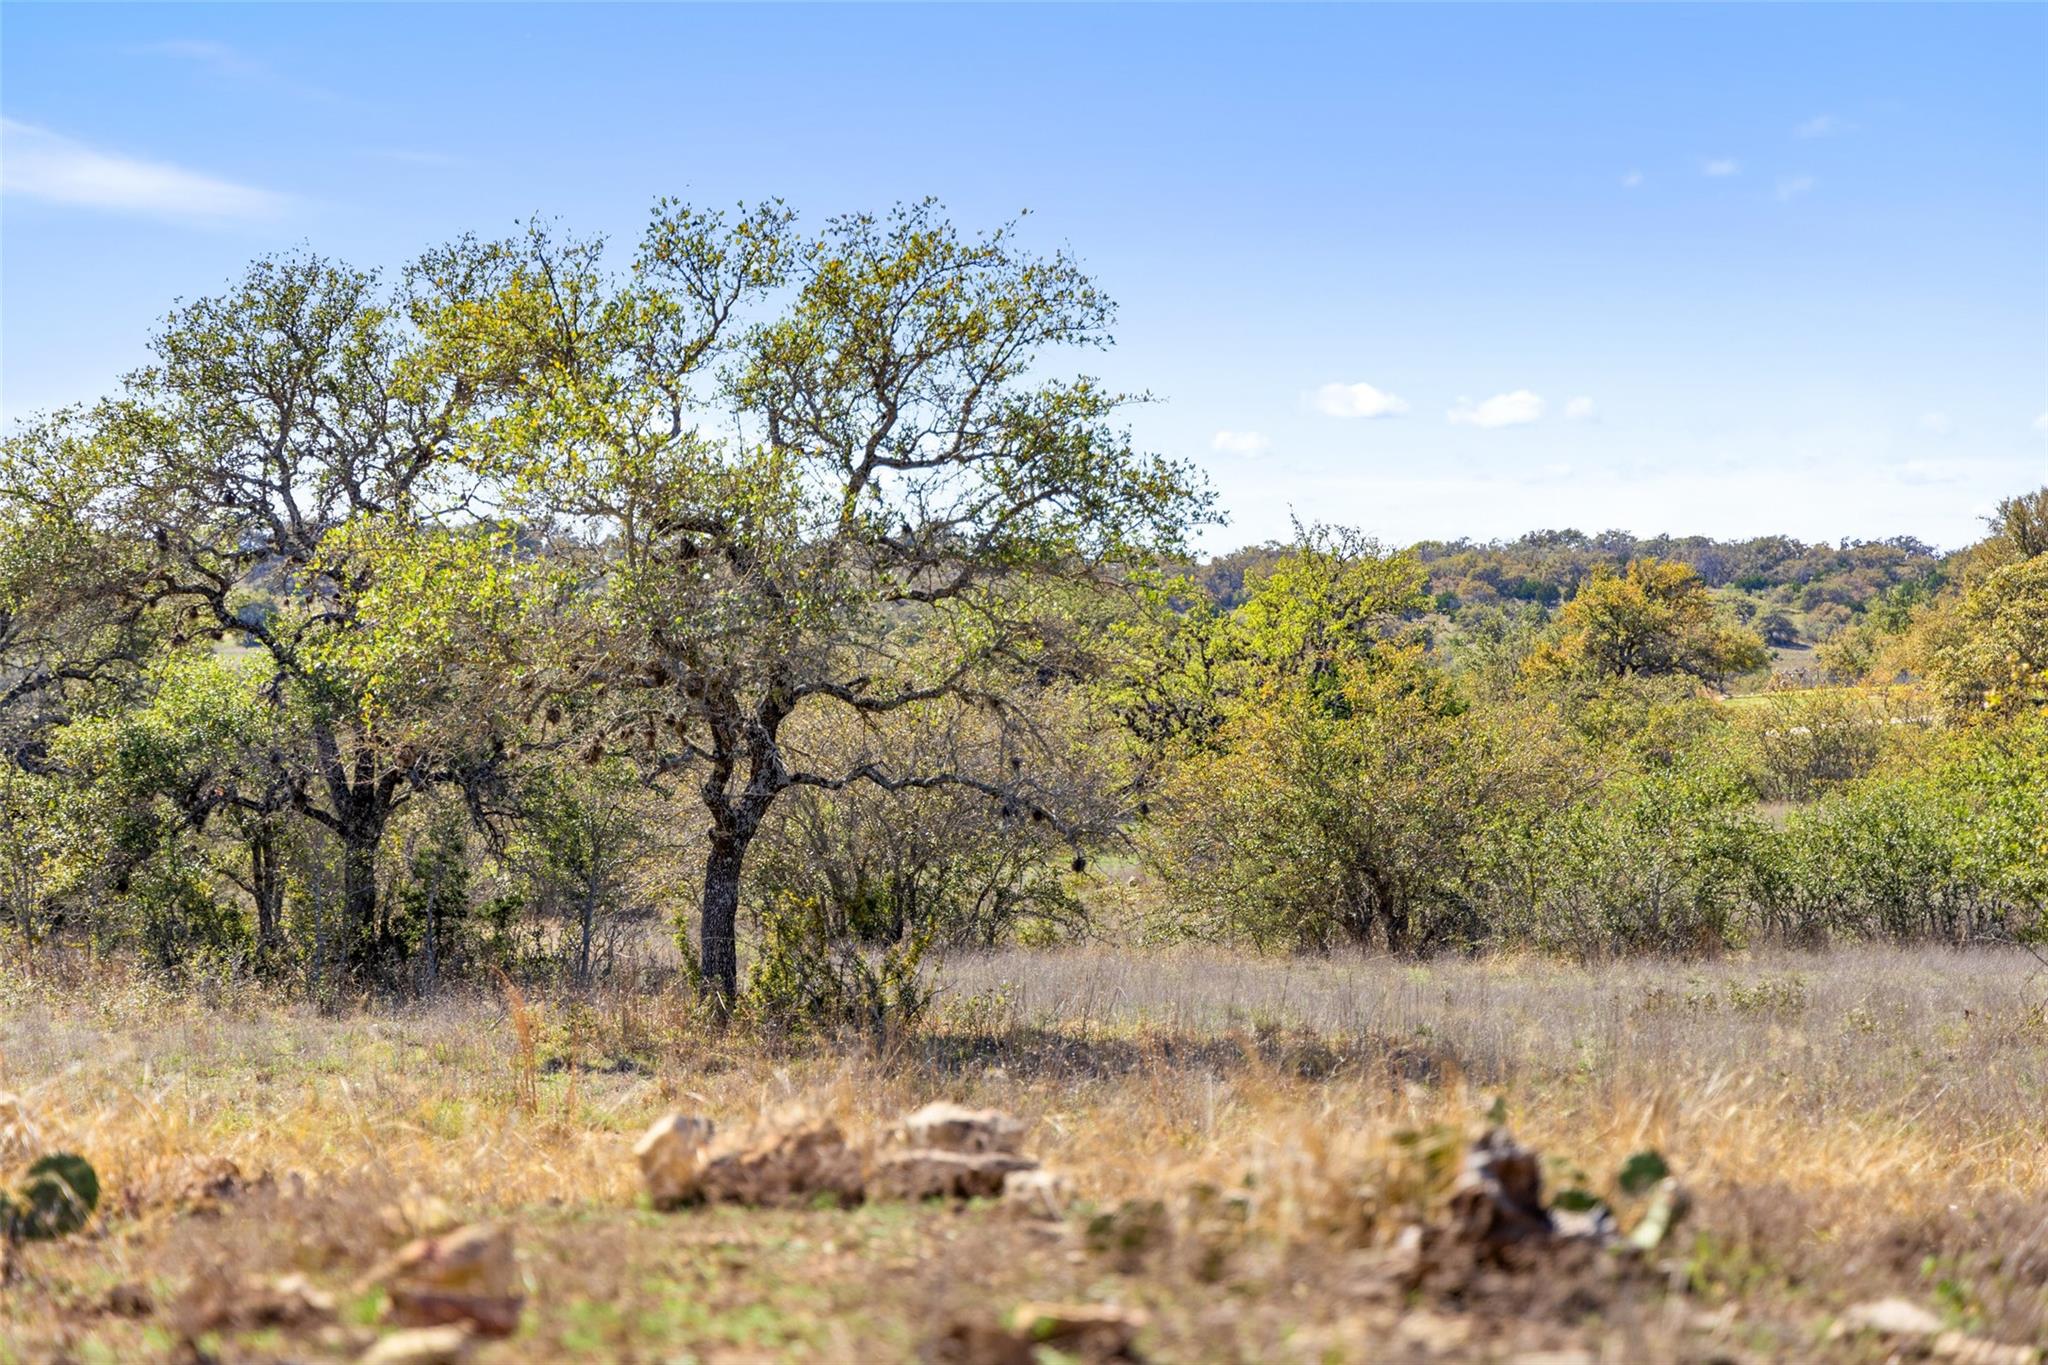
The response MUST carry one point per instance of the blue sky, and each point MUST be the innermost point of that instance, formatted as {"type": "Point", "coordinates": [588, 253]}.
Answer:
{"type": "Point", "coordinates": [1425, 271]}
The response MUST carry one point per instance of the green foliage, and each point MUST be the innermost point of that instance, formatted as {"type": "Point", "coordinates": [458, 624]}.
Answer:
{"type": "Point", "coordinates": [2021, 525]}
{"type": "Point", "coordinates": [1951, 848]}
{"type": "Point", "coordinates": [432, 633]}
{"type": "Point", "coordinates": [807, 978]}
{"type": "Point", "coordinates": [1334, 601]}
{"type": "Point", "coordinates": [1658, 618]}
{"type": "Point", "coordinates": [56, 1198]}
{"type": "Point", "coordinates": [934, 864]}
{"type": "Point", "coordinates": [180, 919]}
{"type": "Point", "coordinates": [1990, 658]}
{"type": "Point", "coordinates": [1546, 567]}
{"type": "Point", "coordinates": [430, 910]}
{"type": "Point", "coordinates": [1641, 1172]}
{"type": "Point", "coordinates": [832, 474]}
{"type": "Point", "coordinates": [1807, 742]}
{"type": "Point", "coordinates": [1352, 806]}
{"type": "Point", "coordinates": [52, 846]}
{"type": "Point", "coordinates": [962, 864]}
{"type": "Point", "coordinates": [1655, 861]}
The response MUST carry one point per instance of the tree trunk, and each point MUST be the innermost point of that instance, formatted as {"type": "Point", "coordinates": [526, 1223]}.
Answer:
{"type": "Point", "coordinates": [432, 946]}
{"type": "Point", "coordinates": [718, 935]}
{"type": "Point", "coordinates": [1392, 909]}
{"type": "Point", "coordinates": [359, 903]}
{"type": "Point", "coordinates": [583, 945]}
{"type": "Point", "coordinates": [266, 888]}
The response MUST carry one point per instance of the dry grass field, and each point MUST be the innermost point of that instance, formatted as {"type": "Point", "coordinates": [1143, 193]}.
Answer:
{"type": "Point", "coordinates": [1851, 1126]}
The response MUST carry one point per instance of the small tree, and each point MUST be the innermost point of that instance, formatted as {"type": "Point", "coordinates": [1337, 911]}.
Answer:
{"type": "Point", "coordinates": [581, 836]}
{"type": "Point", "coordinates": [1657, 619]}
{"type": "Point", "coordinates": [191, 753]}
{"type": "Point", "coordinates": [1351, 786]}
{"type": "Point", "coordinates": [1989, 654]}
{"type": "Point", "coordinates": [292, 430]}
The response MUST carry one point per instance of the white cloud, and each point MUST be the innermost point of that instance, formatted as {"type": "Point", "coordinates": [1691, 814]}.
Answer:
{"type": "Point", "coordinates": [1502, 410]}
{"type": "Point", "coordinates": [1579, 409]}
{"type": "Point", "coordinates": [38, 164]}
{"type": "Point", "coordinates": [1631, 180]}
{"type": "Point", "coordinates": [1936, 422]}
{"type": "Point", "coordinates": [2041, 423]}
{"type": "Point", "coordinates": [1240, 442]}
{"type": "Point", "coordinates": [1792, 186]}
{"type": "Point", "coordinates": [1721, 165]}
{"type": "Point", "coordinates": [1358, 400]}
{"type": "Point", "coordinates": [1822, 125]}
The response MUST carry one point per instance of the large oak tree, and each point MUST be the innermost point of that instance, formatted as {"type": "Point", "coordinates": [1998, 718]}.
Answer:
{"type": "Point", "coordinates": [805, 472]}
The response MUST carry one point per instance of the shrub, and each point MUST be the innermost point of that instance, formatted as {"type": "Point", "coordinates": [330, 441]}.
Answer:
{"type": "Point", "coordinates": [1655, 862]}
{"type": "Point", "coordinates": [1352, 809]}
{"type": "Point", "coordinates": [1879, 859]}
{"type": "Point", "coordinates": [1802, 743]}
{"type": "Point", "coordinates": [809, 979]}
{"type": "Point", "coordinates": [965, 865]}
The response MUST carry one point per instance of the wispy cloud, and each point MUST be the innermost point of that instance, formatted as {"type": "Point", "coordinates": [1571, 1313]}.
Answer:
{"type": "Point", "coordinates": [1823, 125]}
{"type": "Point", "coordinates": [226, 62]}
{"type": "Point", "coordinates": [1240, 442]}
{"type": "Point", "coordinates": [1721, 165]}
{"type": "Point", "coordinates": [38, 164]}
{"type": "Point", "coordinates": [2041, 424]}
{"type": "Point", "coordinates": [218, 58]}
{"type": "Point", "coordinates": [1632, 180]}
{"type": "Point", "coordinates": [1792, 186]}
{"type": "Point", "coordinates": [1937, 423]}
{"type": "Point", "coordinates": [1502, 410]}
{"type": "Point", "coordinates": [1579, 409]}
{"type": "Point", "coordinates": [1358, 400]}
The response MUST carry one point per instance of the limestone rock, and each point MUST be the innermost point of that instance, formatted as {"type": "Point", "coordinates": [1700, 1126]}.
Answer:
{"type": "Point", "coordinates": [670, 1154]}
{"type": "Point", "coordinates": [1497, 1198]}
{"type": "Point", "coordinates": [417, 1214]}
{"type": "Point", "coordinates": [422, 1346]}
{"type": "Point", "coordinates": [1038, 1194]}
{"type": "Point", "coordinates": [466, 1277]}
{"type": "Point", "coordinates": [933, 1173]}
{"type": "Point", "coordinates": [288, 1302]}
{"type": "Point", "coordinates": [793, 1159]}
{"type": "Point", "coordinates": [1907, 1327]}
{"type": "Point", "coordinates": [1897, 1318]}
{"type": "Point", "coordinates": [204, 1184]}
{"type": "Point", "coordinates": [1963, 1349]}
{"type": "Point", "coordinates": [948, 1127]}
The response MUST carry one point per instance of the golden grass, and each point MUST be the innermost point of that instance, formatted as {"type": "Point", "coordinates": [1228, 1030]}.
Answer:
{"type": "Point", "coordinates": [1851, 1125]}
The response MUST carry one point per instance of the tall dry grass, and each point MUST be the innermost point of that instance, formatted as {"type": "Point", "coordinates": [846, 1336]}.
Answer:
{"type": "Point", "coordinates": [1852, 1123]}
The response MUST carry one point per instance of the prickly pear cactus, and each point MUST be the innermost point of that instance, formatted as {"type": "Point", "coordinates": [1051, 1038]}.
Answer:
{"type": "Point", "coordinates": [60, 1193]}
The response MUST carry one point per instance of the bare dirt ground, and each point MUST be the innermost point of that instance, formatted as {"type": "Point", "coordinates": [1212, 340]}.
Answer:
{"type": "Point", "coordinates": [1249, 1141]}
